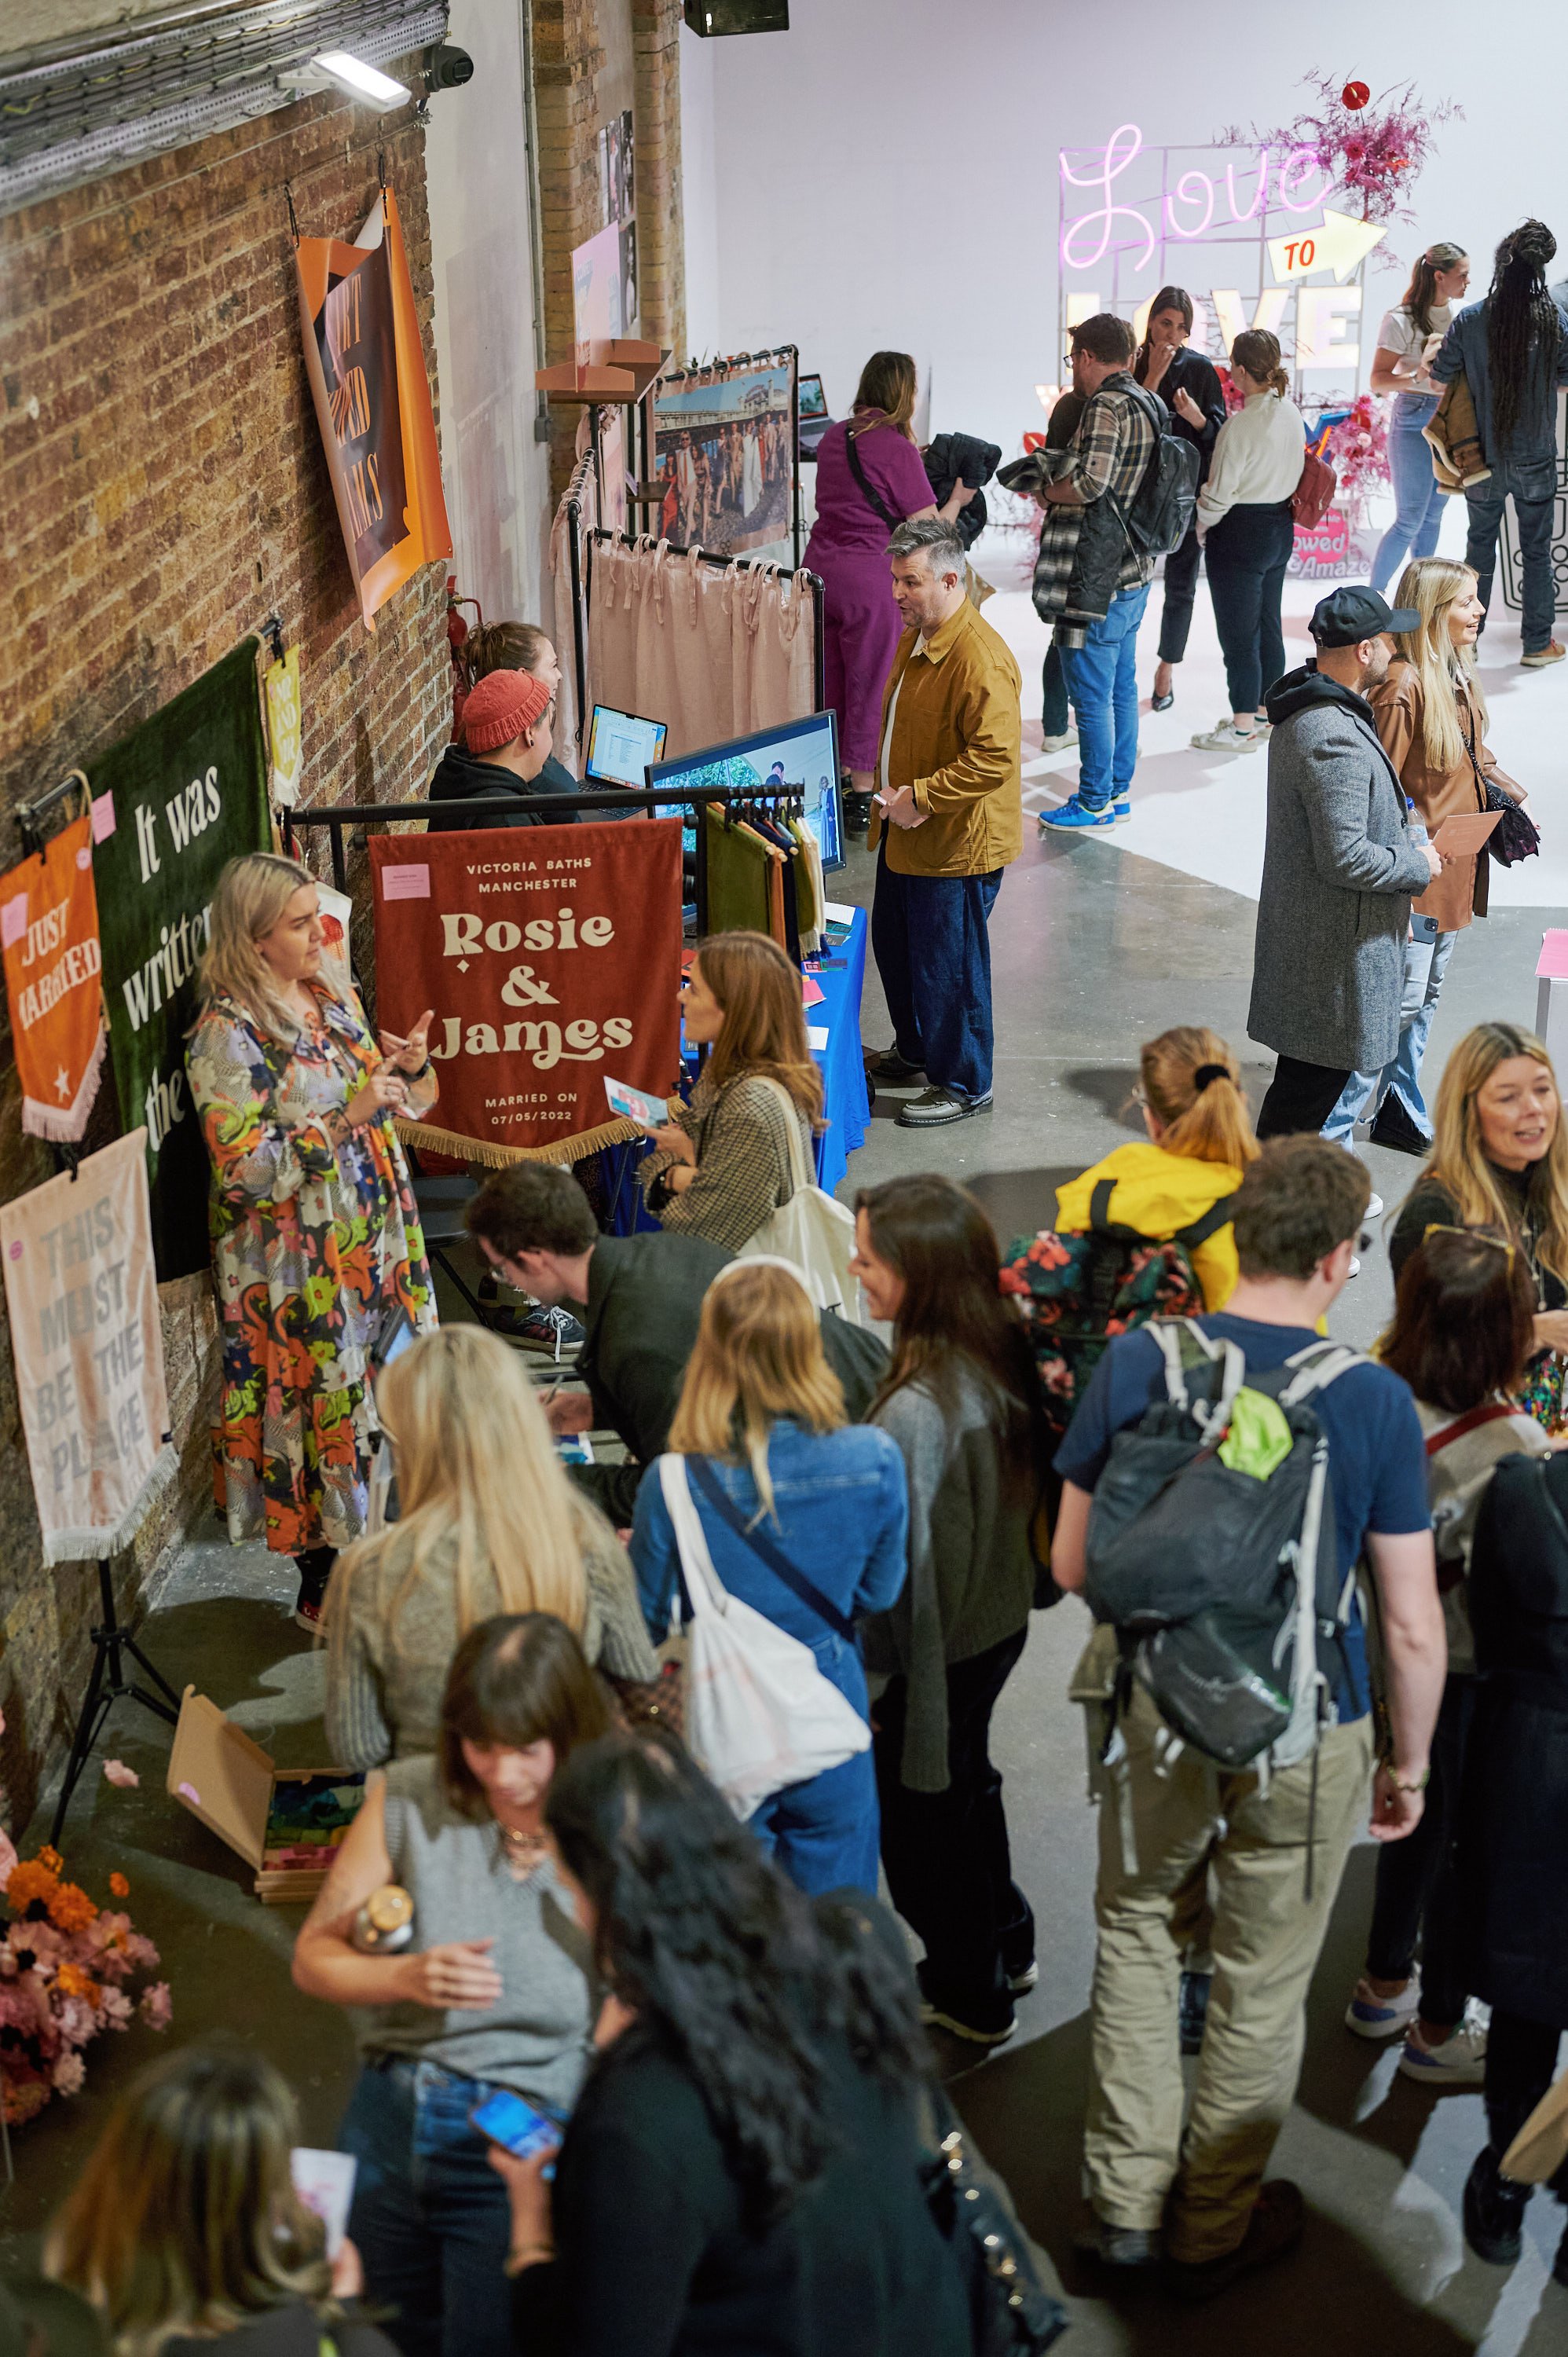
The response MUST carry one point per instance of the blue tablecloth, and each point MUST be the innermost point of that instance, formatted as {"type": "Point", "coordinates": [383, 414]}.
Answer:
{"type": "Point", "coordinates": [846, 1106]}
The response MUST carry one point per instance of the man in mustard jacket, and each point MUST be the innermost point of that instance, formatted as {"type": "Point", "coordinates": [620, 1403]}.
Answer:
{"type": "Point", "coordinates": [946, 822]}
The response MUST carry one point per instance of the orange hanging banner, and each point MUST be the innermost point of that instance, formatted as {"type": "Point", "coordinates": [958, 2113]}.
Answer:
{"type": "Point", "coordinates": [365, 359]}
{"type": "Point", "coordinates": [48, 929]}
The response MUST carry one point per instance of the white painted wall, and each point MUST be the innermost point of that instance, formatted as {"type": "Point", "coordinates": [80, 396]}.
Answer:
{"type": "Point", "coordinates": [886, 172]}
{"type": "Point", "coordinates": [496, 474]}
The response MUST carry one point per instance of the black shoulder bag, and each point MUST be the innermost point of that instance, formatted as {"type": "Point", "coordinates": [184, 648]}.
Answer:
{"type": "Point", "coordinates": [874, 499]}
{"type": "Point", "coordinates": [1514, 837]}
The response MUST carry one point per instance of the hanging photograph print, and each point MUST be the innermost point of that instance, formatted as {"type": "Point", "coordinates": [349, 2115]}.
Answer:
{"type": "Point", "coordinates": [183, 794]}
{"type": "Point", "coordinates": [54, 966]}
{"type": "Point", "coordinates": [724, 453]}
{"type": "Point", "coordinates": [365, 359]}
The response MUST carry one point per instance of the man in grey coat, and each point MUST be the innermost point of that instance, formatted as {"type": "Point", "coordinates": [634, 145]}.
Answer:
{"type": "Point", "coordinates": [1339, 870]}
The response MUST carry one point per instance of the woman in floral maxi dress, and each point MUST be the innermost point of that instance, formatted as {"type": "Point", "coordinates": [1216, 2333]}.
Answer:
{"type": "Point", "coordinates": [314, 1234]}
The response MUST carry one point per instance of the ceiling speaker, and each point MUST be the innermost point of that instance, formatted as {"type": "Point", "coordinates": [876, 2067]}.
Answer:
{"type": "Point", "coordinates": [710, 19]}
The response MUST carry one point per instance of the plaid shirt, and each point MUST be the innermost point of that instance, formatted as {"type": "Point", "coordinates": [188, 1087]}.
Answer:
{"type": "Point", "coordinates": [1113, 445]}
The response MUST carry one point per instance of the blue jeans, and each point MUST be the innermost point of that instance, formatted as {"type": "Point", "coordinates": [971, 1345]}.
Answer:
{"type": "Point", "coordinates": [1418, 502]}
{"type": "Point", "coordinates": [933, 950]}
{"type": "Point", "coordinates": [1102, 681]}
{"type": "Point", "coordinates": [1533, 488]}
{"type": "Point", "coordinates": [826, 1834]}
{"type": "Point", "coordinates": [1426, 964]}
{"type": "Point", "coordinates": [430, 2216]}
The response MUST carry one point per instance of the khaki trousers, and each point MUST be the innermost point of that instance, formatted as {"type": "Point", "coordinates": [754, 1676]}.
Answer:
{"type": "Point", "coordinates": [1158, 1823]}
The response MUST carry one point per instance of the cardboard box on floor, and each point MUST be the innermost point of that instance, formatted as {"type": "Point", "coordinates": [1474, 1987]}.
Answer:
{"type": "Point", "coordinates": [225, 1778]}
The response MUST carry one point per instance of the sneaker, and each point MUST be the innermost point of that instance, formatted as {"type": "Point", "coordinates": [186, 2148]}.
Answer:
{"type": "Point", "coordinates": [1538, 659]}
{"type": "Point", "coordinates": [980, 2021]}
{"type": "Point", "coordinates": [1371, 2015]}
{"type": "Point", "coordinates": [1274, 2228]}
{"type": "Point", "coordinates": [1393, 1126]}
{"type": "Point", "coordinates": [1226, 737]}
{"type": "Point", "coordinates": [1073, 813]}
{"type": "Point", "coordinates": [1021, 1982]}
{"type": "Point", "coordinates": [892, 1070]}
{"type": "Point", "coordinates": [1121, 809]}
{"type": "Point", "coordinates": [1192, 2009]}
{"type": "Point", "coordinates": [1494, 2212]}
{"type": "Point", "coordinates": [1460, 2060]}
{"type": "Point", "coordinates": [546, 1329]}
{"type": "Point", "coordinates": [935, 1107]}
{"type": "Point", "coordinates": [308, 1614]}
{"type": "Point", "coordinates": [1115, 2246]}
{"type": "Point", "coordinates": [1374, 1209]}
{"type": "Point", "coordinates": [1354, 1267]}
{"type": "Point", "coordinates": [1059, 744]}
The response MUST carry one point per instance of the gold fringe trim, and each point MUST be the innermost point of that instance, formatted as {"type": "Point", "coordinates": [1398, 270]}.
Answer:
{"type": "Point", "coordinates": [498, 1157]}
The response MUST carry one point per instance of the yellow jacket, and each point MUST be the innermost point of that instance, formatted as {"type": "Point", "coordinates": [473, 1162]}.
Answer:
{"type": "Point", "coordinates": [957, 739]}
{"type": "Point", "coordinates": [1157, 1193]}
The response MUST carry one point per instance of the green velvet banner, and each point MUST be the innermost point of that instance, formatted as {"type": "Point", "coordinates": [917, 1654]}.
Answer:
{"type": "Point", "coordinates": [182, 794]}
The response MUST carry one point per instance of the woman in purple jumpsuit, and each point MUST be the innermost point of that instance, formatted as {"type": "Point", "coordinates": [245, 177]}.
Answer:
{"type": "Point", "coordinates": [849, 548]}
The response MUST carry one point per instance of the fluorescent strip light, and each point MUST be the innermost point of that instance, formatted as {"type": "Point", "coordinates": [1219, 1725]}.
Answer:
{"type": "Point", "coordinates": [362, 80]}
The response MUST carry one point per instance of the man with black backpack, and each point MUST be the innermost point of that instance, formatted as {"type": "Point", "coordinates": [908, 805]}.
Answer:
{"type": "Point", "coordinates": [1222, 1478]}
{"type": "Point", "coordinates": [1125, 494]}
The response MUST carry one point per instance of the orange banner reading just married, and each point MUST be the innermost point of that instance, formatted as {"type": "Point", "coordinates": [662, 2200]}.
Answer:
{"type": "Point", "coordinates": [48, 929]}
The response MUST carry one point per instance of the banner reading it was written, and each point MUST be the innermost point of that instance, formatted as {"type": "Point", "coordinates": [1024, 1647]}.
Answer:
{"type": "Point", "coordinates": [365, 359]}
{"type": "Point", "coordinates": [183, 794]}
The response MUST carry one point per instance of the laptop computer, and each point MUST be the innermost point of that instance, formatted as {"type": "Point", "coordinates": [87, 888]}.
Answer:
{"type": "Point", "coordinates": [621, 747]}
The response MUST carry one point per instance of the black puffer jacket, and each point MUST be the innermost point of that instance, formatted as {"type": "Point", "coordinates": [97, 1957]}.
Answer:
{"type": "Point", "coordinates": [962, 459]}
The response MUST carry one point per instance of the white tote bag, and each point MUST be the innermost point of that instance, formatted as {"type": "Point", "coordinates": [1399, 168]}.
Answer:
{"type": "Point", "coordinates": [760, 1713]}
{"type": "Point", "coordinates": [812, 1229]}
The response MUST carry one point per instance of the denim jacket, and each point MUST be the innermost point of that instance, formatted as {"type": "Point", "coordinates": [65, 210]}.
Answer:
{"type": "Point", "coordinates": [1465, 348]}
{"type": "Point", "coordinates": [842, 1517]}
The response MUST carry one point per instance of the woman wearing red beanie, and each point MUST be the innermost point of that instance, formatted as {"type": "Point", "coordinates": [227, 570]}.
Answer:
{"type": "Point", "coordinates": [502, 757]}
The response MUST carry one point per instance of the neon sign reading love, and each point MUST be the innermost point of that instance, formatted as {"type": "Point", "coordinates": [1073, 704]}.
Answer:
{"type": "Point", "coordinates": [1299, 185]}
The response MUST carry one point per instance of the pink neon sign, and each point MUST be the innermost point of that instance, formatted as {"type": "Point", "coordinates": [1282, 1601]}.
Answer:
{"type": "Point", "coordinates": [1197, 192]}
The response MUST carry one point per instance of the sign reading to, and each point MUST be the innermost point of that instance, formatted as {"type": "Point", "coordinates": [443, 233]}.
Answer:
{"type": "Point", "coordinates": [49, 928]}
{"type": "Point", "coordinates": [547, 953]}
{"type": "Point", "coordinates": [84, 1303]}
{"type": "Point", "coordinates": [365, 359]}
{"type": "Point", "coordinates": [185, 793]}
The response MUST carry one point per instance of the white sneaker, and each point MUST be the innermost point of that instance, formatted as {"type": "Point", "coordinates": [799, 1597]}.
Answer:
{"type": "Point", "coordinates": [1371, 2015]}
{"type": "Point", "coordinates": [1059, 744]}
{"type": "Point", "coordinates": [1374, 1209]}
{"type": "Point", "coordinates": [1226, 737]}
{"type": "Point", "coordinates": [1459, 2061]}
{"type": "Point", "coordinates": [1354, 1267]}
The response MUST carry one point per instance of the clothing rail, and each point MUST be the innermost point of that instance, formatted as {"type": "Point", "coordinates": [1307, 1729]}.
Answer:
{"type": "Point", "coordinates": [813, 581]}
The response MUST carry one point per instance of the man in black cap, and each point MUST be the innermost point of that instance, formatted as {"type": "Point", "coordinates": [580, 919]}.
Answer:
{"type": "Point", "coordinates": [1339, 870]}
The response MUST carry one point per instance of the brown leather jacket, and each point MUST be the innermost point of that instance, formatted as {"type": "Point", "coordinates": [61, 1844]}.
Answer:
{"type": "Point", "coordinates": [1399, 706]}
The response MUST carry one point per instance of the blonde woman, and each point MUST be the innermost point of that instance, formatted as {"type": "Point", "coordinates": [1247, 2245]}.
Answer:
{"type": "Point", "coordinates": [1245, 524]}
{"type": "Point", "coordinates": [1200, 1141]}
{"type": "Point", "coordinates": [315, 1240]}
{"type": "Point", "coordinates": [1499, 1161]}
{"type": "Point", "coordinates": [1431, 712]}
{"type": "Point", "coordinates": [184, 2229]}
{"type": "Point", "coordinates": [761, 1423]}
{"type": "Point", "coordinates": [724, 1163]}
{"type": "Point", "coordinates": [488, 1522]}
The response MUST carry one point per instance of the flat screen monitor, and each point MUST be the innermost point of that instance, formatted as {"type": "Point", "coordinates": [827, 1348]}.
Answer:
{"type": "Point", "coordinates": [814, 400]}
{"type": "Point", "coordinates": [621, 746]}
{"type": "Point", "coordinates": [799, 758]}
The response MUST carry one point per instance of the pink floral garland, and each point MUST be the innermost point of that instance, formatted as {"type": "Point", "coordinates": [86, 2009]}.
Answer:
{"type": "Point", "coordinates": [1368, 154]}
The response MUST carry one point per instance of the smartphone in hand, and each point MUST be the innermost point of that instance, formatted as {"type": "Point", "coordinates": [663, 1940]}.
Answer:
{"type": "Point", "coordinates": [510, 2122]}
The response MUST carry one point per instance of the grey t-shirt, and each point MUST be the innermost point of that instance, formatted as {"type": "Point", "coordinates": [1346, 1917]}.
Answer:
{"type": "Point", "coordinates": [537, 2039]}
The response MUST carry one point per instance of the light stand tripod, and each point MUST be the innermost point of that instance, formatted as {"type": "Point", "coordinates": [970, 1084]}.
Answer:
{"type": "Point", "coordinates": [107, 1683]}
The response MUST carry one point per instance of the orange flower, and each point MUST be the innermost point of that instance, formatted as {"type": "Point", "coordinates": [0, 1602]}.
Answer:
{"type": "Point", "coordinates": [118, 1886]}
{"type": "Point", "coordinates": [50, 1859]}
{"type": "Point", "coordinates": [31, 1883]}
{"type": "Point", "coordinates": [71, 1981]}
{"type": "Point", "coordinates": [70, 1909]}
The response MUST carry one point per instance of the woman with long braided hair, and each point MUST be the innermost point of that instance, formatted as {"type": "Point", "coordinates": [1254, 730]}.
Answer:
{"type": "Point", "coordinates": [1513, 350]}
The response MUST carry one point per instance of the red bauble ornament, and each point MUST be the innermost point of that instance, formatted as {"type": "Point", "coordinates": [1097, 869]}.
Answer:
{"type": "Point", "coordinates": [1355, 94]}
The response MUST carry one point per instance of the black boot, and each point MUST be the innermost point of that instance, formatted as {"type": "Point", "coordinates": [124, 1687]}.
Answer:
{"type": "Point", "coordinates": [1494, 2211]}
{"type": "Point", "coordinates": [856, 813]}
{"type": "Point", "coordinates": [315, 1567]}
{"type": "Point", "coordinates": [1394, 1128]}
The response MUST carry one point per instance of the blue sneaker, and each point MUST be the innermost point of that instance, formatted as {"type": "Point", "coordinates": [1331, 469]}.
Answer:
{"type": "Point", "coordinates": [1072, 812]}
{"type": "Point", "coordinates": [1121, 809]}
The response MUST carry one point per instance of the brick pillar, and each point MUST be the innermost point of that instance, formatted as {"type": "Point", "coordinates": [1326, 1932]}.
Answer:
{"type": "Point", "coordinates": [661, 241]}
{"type": "Point", "coordinates": [567, 56]}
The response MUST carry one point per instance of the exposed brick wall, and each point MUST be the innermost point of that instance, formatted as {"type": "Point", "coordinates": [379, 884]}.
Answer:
{"type": "Point", "coordinates": [569, 65]}
{"type": "Point", "coordinates": [164, 490]}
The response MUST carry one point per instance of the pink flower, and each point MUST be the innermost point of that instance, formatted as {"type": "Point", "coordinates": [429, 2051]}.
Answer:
{"type": "Point", "coordinates": [157, 2006]}
{"type": "Point", "coordinates": [116, 2010]}
{"type": "Point", "coordinates": [7, 1847]}
{"type": "Point", "coordinates": [78, 2022]}
{"type": "Point", "coordinates": [116, 1773]}
{"type": "Point", "coordinates": [68, 2074]}
{"type": "Point", "coordinates": [140, 1953]}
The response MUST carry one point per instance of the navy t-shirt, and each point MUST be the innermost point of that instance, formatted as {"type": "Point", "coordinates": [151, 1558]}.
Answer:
{"type": "Point", "coordinates": [1376, 1457]}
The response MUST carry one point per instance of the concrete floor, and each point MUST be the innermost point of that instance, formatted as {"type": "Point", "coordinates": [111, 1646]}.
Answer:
{"type": "Point", "coordinates": [1096, 948]}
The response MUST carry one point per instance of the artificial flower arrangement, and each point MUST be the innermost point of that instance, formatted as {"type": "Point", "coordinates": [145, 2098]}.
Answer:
{"type": "Point", "coordinates": [68, 1970]}
{"type": "Point", "coordinates": [1372, 150]}
{"type": "Point", "coordinates": [1358, 448]}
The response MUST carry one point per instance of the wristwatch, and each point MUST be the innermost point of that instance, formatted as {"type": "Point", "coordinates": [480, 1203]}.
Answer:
{"type": "Point", "coordinates": [1409, 1783]}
